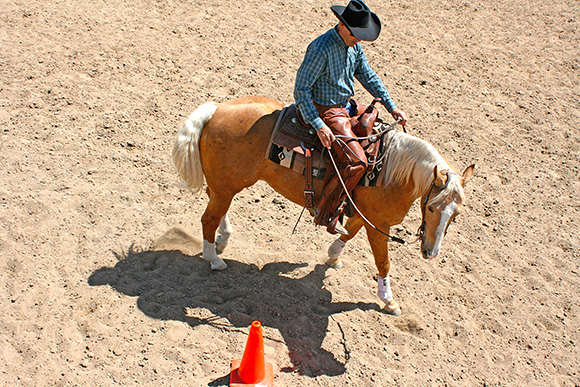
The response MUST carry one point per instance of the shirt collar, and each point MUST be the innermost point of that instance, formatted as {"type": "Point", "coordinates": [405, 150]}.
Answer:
{"type": "Point", "coordinates": [336, 36]}
{"type": "Point", "coordinates": [338, 39]}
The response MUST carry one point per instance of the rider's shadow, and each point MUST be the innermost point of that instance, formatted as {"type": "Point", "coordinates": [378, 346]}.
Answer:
{"type": "Point", "coordinates": [174, 286]}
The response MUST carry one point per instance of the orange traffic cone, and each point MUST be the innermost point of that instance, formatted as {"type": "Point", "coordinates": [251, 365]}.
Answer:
{"type": "Point", "coordinates": [252, 370]}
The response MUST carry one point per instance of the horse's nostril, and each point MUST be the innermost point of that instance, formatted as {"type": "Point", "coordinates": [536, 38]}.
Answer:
{"type": "Point", "coordinates": [429, 254]}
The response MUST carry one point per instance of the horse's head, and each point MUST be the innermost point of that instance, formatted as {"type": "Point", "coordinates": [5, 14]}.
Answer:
{"type": "Point", "coordinates": [442, 202]}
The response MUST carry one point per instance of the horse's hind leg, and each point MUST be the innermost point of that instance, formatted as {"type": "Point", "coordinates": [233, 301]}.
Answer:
{"type": "Point", "coordinates": [215, 214]}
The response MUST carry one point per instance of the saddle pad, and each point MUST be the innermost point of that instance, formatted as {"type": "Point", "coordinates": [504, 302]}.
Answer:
{"type": "Point", "coordinates": [296, 161]}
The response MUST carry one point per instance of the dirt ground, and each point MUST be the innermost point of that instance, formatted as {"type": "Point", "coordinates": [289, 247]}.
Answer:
{"type": "Point", "coordinates": [103, 281]}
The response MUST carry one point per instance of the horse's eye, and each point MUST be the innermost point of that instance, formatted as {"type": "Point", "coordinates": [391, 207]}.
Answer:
{"type": "Point", "coordinates": [430, 208]}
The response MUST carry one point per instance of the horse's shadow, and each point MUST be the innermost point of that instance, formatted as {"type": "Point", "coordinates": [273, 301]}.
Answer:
{"type": "Point", "coordinates": [175, 286]}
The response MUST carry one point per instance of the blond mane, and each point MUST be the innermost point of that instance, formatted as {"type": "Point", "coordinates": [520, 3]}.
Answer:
{"type": "Point", "coordinates": [411, 158]}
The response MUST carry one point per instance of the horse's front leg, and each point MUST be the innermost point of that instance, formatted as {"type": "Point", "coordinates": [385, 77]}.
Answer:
{"type": "Point", "coordinates": [224, 233]}
{"type": "Point", "coordinates": [380, 247]}
{"type": "Point", "coordinates": [353, 225]}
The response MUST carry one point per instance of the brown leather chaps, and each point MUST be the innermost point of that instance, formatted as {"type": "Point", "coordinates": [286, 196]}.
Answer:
{"type": "Point", "coordinates": [349, 156]}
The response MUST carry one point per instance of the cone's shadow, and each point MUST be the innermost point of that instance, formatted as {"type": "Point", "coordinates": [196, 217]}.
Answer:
{"type": "Point", "coordinates": [171, 285]}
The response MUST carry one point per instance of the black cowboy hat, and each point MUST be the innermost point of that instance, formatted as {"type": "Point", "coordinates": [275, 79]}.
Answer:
{"type": "Point", "coordinates": [359, 20]}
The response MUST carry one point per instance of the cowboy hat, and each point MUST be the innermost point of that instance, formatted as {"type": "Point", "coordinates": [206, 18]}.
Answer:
{"type": "Point", "coordinates": [359, 20]}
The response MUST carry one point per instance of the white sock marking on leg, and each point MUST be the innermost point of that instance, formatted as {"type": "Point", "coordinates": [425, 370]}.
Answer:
{"type": "Point", "coordinates": [384, 292]}
{"type": "Point", "coordinates": [210, 255]}
{"type": "Point", "coordinates": [335, 248]}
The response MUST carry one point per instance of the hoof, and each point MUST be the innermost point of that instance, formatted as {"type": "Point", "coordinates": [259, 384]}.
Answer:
{"type": "Point", "coordinates": [392, 308]}
{"type": "Point", "coordinates": [396, 312]}
{"type": "Point", "coordinates": [218, 266]}
{"type": "Point", "coordinates": [335, 263]}
{"type": "Point", "coordinates": [217, 263]}
{"type": "Point", "coordinates": [221, 241]}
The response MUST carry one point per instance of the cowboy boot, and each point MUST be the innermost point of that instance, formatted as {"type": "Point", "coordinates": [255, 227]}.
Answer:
{"type": "Point", "coordinates": [335, 225]}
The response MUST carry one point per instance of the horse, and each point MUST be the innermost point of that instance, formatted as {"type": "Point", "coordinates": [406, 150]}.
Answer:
{"type": "Point", "coordinates": [225, 144]}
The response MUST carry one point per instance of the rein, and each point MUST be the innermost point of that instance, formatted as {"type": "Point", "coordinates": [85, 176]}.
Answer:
{"type": "Point", "coordinates": [389, 237]}
{"type": "Point", "coordinates": [386, 129]}
{"type": "Point", "coordinates": [421, 230]}
{"type": "Point", "coordinates": [378, 135]}
{"type": "Point", "coordinates": [373, 138]}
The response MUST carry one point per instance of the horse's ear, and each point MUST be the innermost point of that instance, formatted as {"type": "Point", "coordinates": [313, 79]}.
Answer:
{"type": "Point", "coordinates": [437, 177]}
{"type": "Point", "coordinates": [467, 174]}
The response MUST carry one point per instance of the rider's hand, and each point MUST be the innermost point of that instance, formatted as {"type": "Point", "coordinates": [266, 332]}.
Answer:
{"type": "Point", "coordinates": [326, 136]}
{"type": "Point", "coordinates": [398, 114]}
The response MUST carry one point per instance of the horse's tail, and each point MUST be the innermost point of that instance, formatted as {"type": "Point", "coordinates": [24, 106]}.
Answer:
{"type": "Point", "coordinates": [185, 153]}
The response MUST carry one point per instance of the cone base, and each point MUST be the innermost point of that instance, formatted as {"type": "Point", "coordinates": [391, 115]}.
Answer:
{"type": "Point", "coordinates": [236, 381]}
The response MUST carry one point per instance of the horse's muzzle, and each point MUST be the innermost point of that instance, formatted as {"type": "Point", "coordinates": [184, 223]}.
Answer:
{"type": "Point", "coordinates": [429, 254]}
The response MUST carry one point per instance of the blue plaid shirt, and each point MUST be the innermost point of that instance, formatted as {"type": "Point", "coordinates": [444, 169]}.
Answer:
{"type": "Point", "coordinates": [327, 74]}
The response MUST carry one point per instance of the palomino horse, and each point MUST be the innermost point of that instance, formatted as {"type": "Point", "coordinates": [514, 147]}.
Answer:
{"type": "Point", "coordinates": [227, 144]}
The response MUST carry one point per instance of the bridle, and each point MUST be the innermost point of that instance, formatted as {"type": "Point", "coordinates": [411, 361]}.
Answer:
{"type": "Point", "coordinates": [421, 230]}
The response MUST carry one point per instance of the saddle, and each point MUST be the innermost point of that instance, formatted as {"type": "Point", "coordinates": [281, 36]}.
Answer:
{"type": "Point", "coordinates": [291, 131]}
{"type": "Point", "coordinates": [296, 145]}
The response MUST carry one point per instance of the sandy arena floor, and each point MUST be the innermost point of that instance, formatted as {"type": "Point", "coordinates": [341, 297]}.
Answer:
{"type": "Point", "coordinates": [100, 243]}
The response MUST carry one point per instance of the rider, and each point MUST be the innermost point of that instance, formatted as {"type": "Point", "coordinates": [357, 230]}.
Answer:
{"type": "Point", "coordinates": [323, 92]}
